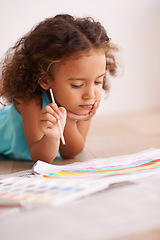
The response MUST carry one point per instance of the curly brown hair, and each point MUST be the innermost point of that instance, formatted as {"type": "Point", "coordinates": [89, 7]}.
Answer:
{"type": "Point", "coordinates": [47, 45]}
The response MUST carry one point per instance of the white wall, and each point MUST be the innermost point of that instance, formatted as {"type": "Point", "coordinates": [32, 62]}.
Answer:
{"type": "Point", "coordinates": [133, 24]}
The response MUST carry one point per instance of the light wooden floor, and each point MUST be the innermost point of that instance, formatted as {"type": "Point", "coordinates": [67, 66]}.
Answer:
{"type": "Point", "coordinates": [111, 136]}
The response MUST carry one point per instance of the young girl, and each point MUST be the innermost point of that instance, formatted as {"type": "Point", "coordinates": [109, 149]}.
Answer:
{"type": "Point", "coordinates": [71, 56]}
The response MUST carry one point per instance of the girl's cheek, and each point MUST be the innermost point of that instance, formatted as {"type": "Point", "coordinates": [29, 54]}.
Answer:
{"type": "Point", "coordinates": [99, 97]}
{"type": "Point", "coordinates": [99, 100]}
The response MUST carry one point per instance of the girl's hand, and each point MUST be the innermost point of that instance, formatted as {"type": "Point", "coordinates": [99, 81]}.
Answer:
{"type": "Point", "coordinates": [86, 117]}
{"type": "Point", "coordinates": [48, 120]}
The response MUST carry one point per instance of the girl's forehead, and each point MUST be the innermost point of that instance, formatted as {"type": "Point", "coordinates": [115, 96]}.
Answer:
{"type": "Point", "coordinates": [83, 56]}
{"type": "Point", "coordinates": [81, 60]}
{"type": "Point", "coordinates": [86, 65]}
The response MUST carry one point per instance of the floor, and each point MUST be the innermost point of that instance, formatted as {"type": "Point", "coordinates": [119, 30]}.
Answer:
{"type": "Point", "coordinates": [111, 136]}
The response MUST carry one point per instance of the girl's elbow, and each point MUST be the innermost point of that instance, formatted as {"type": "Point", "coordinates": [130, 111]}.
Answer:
{"type": "Point", "coordinates": [45, 158]}
{"type": "Point", "coordinates": [71, 153]}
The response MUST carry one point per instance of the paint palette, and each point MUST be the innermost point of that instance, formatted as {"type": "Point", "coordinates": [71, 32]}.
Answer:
{"type": "Point", "coordinates": [33, 191]}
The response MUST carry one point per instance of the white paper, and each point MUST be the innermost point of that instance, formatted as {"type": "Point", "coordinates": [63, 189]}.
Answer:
{"type": "Point", "coordinates": [55, 185]}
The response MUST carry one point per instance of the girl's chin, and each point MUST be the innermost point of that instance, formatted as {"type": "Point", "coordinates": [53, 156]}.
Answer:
{"type": "Point", "coordinates": [79, 113]}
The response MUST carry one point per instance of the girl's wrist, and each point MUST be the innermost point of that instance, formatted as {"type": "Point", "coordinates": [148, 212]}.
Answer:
{"type": "Point", "coordinates": [53, 138]}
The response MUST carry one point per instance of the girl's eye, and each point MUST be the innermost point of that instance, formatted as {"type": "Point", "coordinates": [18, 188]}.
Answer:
{"type": "Point", "coordinates": [98, 82]}
{"type": "Point", "coordinates": [77, 86]}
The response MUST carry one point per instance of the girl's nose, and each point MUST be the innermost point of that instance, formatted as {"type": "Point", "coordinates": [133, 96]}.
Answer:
{"type": "Point", "coordinates": [89, 93]}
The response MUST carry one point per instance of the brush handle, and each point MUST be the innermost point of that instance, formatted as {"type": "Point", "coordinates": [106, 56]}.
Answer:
{"type": "Point", "coordinates": [59, 124]}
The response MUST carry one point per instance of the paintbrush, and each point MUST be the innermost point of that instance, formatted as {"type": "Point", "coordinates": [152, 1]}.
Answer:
{"type": "Point", "coordinates": [59, 124]}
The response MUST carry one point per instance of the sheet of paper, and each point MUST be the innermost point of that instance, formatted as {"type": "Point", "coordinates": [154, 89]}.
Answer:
{"type": "Point", "coordinates": [147, 162]}
{"type": "Point", "coordinates": [25, 173]}
{"type": "Point", "coordinates": [55, 185]}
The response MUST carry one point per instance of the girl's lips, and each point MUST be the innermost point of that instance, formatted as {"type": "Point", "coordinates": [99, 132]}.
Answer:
{"type": "Point", "coordinates": [87, 106]}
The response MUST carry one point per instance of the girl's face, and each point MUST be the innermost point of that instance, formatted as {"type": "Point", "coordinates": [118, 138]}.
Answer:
{"type": "Point", "coordinates": [78, 82]}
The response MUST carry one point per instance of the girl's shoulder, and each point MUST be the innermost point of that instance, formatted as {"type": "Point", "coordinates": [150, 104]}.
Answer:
{"type": "Point", "coordinates": [45, 99]}
{"type": "Point", "coordinates": [33, 103]}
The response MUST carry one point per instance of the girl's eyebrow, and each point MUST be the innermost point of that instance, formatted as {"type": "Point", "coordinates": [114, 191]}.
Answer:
{"type": "Point", "coordinates": [102, 75]}
{"type": "Point", "coordinates": [82, 79]}
{"type": "Point", "coordinates": [76, 78]}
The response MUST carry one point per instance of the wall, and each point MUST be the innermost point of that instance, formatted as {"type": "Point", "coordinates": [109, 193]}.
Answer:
{"type": "Point", "coordinates": [132, 24]}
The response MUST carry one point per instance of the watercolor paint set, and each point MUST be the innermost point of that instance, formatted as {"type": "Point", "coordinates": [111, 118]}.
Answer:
{"type": "Point", "coordinates": [23, 191]}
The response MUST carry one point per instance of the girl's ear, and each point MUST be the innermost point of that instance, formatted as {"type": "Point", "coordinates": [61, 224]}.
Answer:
{"type": "Point", "coordinates": [44, 83]}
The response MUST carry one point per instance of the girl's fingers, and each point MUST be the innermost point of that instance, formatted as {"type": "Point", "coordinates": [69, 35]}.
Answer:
{"type": "Point", "coordinates": [48, 117]}
{"type": "Point", "coordinates": [63, 119]}
{"type": "Point", "coordinates": [86, 117]}
{"type": "Point", "coordinates": [94, 109]}
{"type": "Point", "coordinates": [46, 124]}
{"type": "Point", "coordinates": [62, 110]}
{"type": "Point", "coordinates": [51, 110]}
{"type": "Point", "coordinates": [56, 109]}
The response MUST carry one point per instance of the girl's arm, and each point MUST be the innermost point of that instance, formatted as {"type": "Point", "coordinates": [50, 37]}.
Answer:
{"type": "Point", "coordinates": [41, 129]}
{"type": "Point", "coordinates": [75, 133]}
